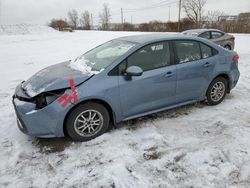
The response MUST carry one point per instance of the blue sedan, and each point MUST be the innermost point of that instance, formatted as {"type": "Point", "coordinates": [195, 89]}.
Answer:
{"type": "Point", "coordinates": [122, 79]}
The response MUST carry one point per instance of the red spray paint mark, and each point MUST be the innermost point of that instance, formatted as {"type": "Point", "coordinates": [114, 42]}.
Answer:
{"type": "Point", "coordinates": [66, 98]}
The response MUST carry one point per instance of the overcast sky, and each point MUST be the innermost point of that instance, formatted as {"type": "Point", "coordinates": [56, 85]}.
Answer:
{"type": "Point", "coordinates": [41, 11]}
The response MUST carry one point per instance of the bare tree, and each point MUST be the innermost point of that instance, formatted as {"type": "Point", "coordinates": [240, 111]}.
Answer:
{"type": "Point", "coordinates": [194, 10]}
{"type": "Point", "coordinates": [212, 18]}
{"type": "Point", "coordinates": [85, 20]}
{"type": "Point", "coordinates": [105, 17]}
{"type": "Point", "coordinates": [73, 18]}
{"type": "Point", "coordinates": [58, 24]}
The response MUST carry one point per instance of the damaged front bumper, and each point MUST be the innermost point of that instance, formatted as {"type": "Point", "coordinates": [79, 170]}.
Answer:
{"type": "Point", "coordinates": [45, 123]}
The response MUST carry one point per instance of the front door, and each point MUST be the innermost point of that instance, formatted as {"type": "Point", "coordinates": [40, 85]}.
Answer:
{"type": "Point", "coordinates": [155, 88]}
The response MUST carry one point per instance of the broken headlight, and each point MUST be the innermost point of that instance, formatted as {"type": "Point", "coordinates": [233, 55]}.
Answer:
{"type": "Point", "coordinates": [47, 98]}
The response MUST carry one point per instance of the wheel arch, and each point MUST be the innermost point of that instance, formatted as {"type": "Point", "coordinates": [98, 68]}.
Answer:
{"type": "Point", "coordinates": [94, 100]}
{"type": "Point", "coordinates": [225, 76]}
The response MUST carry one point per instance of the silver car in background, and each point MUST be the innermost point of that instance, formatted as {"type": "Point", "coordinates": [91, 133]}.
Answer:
{"type": "Point", "coordinates": [219, 37]}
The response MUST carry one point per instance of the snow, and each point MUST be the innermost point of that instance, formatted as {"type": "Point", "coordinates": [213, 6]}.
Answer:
{"type": "Point", "coordinates": [30, 90]}
{"type": "Point", "coordinates": [82, 65]}
{"type": "Point", "coordinates": [192, 146]}
{"type": "Point", "coordinates": [25, 29]}
{"type": "Point", "coordinates": [86, 65]}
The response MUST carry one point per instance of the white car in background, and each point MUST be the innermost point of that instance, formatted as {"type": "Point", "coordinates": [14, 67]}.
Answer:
{"type": "Point", "coordinates": [219, 37]}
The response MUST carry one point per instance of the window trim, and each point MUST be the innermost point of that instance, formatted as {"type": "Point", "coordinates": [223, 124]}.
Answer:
{"type": "Point", "coordinates": [222, 34]}
{"type": "Point", "coordinates": [176, 54]}
{"type": "Point", "coordinates": [173, 55]}
{"type": "Point", "coordinates": [210, 37]}
{"type": "Point", "coordinates": [214, 51]}
{"type": "Point", "coordinates": [115, 70]}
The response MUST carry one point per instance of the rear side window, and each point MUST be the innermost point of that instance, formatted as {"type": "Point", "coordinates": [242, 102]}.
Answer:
{"type": "Point", "coordinates": [216, 34]}
{"type": "Point", "coordinates": [206, 51]}
{"type": "Point", "coordinates": [187, 51]}
{"type": "Point", "coordinates": [151, 57]}
{"type": "Point", "coordinates": [205, 35]}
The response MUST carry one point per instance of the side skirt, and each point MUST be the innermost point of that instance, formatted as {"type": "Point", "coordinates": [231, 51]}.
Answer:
{"type": "Point", "coordinates": [159, 110]}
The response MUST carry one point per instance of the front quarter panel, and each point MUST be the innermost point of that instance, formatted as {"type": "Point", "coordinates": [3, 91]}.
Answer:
{"type": "Point", "coordinates": [101, 87]}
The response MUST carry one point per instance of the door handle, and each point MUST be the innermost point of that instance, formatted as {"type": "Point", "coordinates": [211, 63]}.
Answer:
{"type": "Point", "coordinates": [207, 64]}
{"type": "Point", "coordinates": [169, 74]}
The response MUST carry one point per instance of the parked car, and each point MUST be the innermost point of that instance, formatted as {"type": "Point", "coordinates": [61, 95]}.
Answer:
{"type": "Point", "coordinates": [219, 37]}
{"type": "Point", "coordinates": [123, 79]}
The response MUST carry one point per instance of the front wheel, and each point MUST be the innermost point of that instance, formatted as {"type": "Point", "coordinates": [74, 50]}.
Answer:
{"type": "Point", "coordinates": [217, 91]}
{"type": "Point", "coordinates": [87, 121]}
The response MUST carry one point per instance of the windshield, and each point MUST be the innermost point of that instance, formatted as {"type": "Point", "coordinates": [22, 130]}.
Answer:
{"type": "Point", "coordinates": [102, 56]}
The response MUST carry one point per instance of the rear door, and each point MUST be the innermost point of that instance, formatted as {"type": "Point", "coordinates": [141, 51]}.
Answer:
{"type": "Point", "coordinates": [195, 66]}
{"type": "Point", "coordinates": [155, 88]}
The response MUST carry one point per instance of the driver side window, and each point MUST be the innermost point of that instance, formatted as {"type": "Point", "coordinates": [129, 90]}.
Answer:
{"type": "Point", "coordinates": [150, 57]}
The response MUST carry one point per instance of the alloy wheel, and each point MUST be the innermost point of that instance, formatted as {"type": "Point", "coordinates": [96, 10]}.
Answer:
{"type": "Point", "coordinates": [218, 91]}
{"type": "Point", "coordinates": [88, 123]}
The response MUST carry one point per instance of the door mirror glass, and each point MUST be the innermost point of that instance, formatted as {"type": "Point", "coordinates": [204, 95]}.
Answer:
{"type": "Point", "coordinates": [133, 71]}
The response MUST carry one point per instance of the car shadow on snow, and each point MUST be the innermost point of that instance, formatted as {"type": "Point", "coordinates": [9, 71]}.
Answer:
{"type": "Point", "coordinates": [53, 145]}
{"type": "Point", "coordinates": [170, 114]}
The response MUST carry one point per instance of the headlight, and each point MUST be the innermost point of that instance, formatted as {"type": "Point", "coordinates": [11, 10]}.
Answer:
{"type": "Point", "coordinates": [47, 98]}
{"type": "Point", "coordinates": [51, 98]}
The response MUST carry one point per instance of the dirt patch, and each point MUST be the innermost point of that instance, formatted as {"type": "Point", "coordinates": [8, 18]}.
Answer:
{"type": "Point", "coordinates": [52, 145]}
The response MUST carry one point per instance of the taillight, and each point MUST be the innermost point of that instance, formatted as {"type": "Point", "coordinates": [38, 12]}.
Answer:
{"type": "Point", "coordinates": [236, 58]}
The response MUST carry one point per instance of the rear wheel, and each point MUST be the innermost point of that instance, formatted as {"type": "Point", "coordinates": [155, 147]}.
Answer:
{"type": "Point", "coordinates": [87, 121]}
{"type": "Point", "coordinates": [217, 91]}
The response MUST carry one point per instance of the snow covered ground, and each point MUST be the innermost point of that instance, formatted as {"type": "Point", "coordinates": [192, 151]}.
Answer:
{"type": "Point", "coordinates": [192, 146]}
{"type": "Point", "coordinates": [24, 29]}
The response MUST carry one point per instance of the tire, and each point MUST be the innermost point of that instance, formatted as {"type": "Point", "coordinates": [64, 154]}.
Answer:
{"type": "Point", "coordinates": [228, 47]}
{"type": "Point", "coordinates": [217, 91]}
{"type": "Point", "coordinates": [87, 121]}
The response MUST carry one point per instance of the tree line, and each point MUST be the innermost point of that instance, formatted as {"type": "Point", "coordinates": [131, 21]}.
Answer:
{"type": "Point", "coordinates": [83, 21]}
{"type": "Point", "coordinates": [195, 17]}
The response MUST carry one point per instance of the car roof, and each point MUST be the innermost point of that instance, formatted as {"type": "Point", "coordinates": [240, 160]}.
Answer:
{"type": "Point", "coordinates": [146, 38]}
{"type": "Point", "coordinates": [199, 31]}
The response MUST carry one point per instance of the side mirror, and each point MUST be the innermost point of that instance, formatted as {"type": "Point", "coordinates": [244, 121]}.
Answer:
{"type": "Point", "coordinates": [133, 71]}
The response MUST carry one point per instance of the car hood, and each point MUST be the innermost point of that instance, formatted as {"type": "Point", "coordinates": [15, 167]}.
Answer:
{"type": "Point", "coordinates": [53, 78]}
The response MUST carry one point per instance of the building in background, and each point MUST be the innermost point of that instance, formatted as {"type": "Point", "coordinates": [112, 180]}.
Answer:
{"type": "Point", "coordinates": [227, 18]}
{"type": "Point", "coordinates": [244, 16]}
